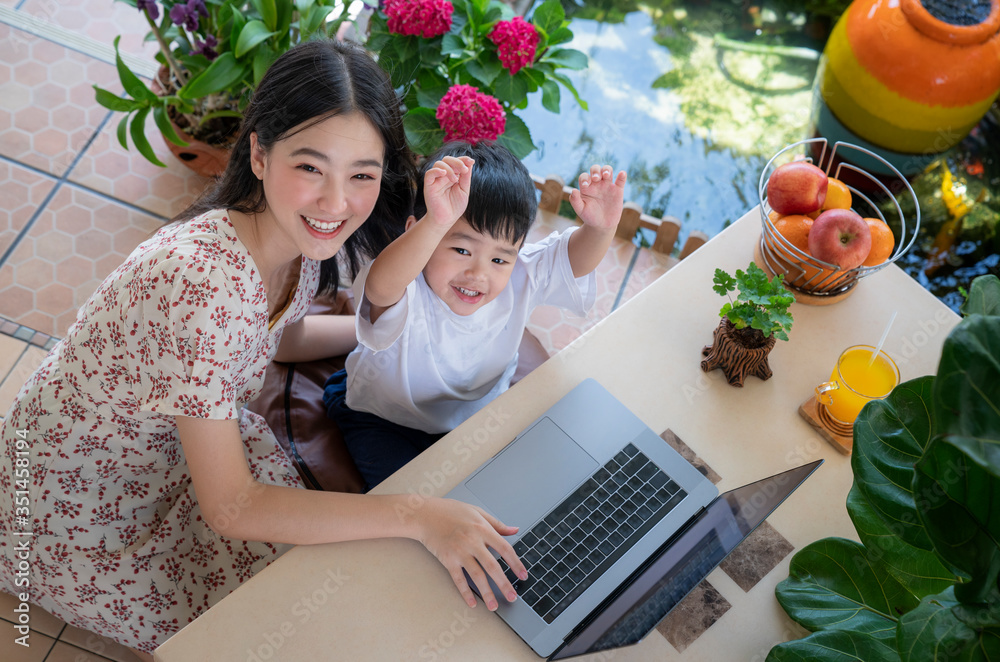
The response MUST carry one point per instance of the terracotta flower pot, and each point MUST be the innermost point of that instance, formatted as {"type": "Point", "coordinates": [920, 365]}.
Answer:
{"type": "Point", "coordinates": [908, 79]}
{"type": "Point", "coordinates": [736, 360]}
{"type": "Point", "coordinates": [201, 157]}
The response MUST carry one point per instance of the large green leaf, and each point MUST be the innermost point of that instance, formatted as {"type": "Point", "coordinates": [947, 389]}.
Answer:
{"type": "Point", "coordinates": [560, 36]}
{"type": "Point", "coordinates": [252, 34]}
{"type": "Point", "coordinates": [516, 137]}
{"type": "Point", "coordinates": [967, 390]}
{"type": "Point", "coordinates": [919, 570]}
{"type": "Point", "coordinates": [943, 629]}
{"type": "Point", "coordinates": [957, 488]}
{"type": "Point", "coordinates": [834, 646]}
{"type": "Point", "coordinates": [510, 89]}
{"type": "Point", "coordinates": [453, 44]}
{"type": "Point", "coordinates": [165, 127]}
{"type": "Point", "coordinates": [268, 12]}
{"type": "Point", "coordinates": [222, 73]}
{"type": "Point", "coordinates": [984, 296]}
{"type": "Point", "coordinates": [550, 96]}
{"type": "Point", "coordinates": [567, 57]}
{"type": "Point", "coordinates": [833, 584]}
{"type": "Point", "coordinates": [112, 101]}
{"type": "Point", "coordinates": [137, 129]}
{"type": "Point", "coordinates": [889, 437]}
{"type": "Point", "coordinates": [549, 16]}
{"type": "Point", "coordinates": [135, 87]}
{"type": "Point", "coordinates": [431, 88]}
{"type": "Point", "coordinates": [422, 130]}
{"type": "Point", "coordinates": [484, 69]}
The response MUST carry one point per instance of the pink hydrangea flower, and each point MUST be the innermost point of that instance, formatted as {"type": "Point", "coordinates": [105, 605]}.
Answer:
{"type": "Point", "coordinates": [426, 18]}
{"type": "Point", "coordinates": [468, 115]}
{"type": "Point", "coordinates": [516, 41]}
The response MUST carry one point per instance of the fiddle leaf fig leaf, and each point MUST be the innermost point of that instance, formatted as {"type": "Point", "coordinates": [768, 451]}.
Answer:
{"type": "Point", "coordinates": [957, 491]}
{"type": "Point", "coordinates": [834, 646]}
{"type": "Point", "coordinates": [835, 584]}
{"type": "Point", "coordinates": [889, 436]}
{"type": "Point", "coordinates": [942, 628]}
{"type": "Point", "coordinates": [984, 296]}
{"type": "Point", "coordinates": [918, 570]}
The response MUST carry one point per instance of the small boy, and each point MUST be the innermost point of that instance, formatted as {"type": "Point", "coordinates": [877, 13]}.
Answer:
{"type": "Point", "coordinates": [441, 311]}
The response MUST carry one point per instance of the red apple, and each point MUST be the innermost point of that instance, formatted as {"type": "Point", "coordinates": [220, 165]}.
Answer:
{"type": "Point", "coordinates": [841, 237]}
{"type": "Point", "coordinates": [798, 187]}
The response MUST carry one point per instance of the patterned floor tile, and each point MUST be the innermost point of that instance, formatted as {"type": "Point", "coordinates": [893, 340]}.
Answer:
{"type": "Point", "coordinates": [556, 328]}
{"type": "Point", "coordinates": [41, 621]}
{"type": "Point", "coordinates": [39, 647]}
{"type": "Point", "coordinates": [95, 643]}
{"type": "Point", "coordinates": [756, 556]}
{"type": "Point", "coordinates": [47, 106]}
{"type": "Point", "coordinates": [702, 607]}
{"type": "Point", "coordinates": [77, 240]}
{"type": "Point", "coordinates": [128, 176]}
{"type": "Point", "coordinates": [101, 20]}
{"type": "Point", "coordinates": [649, 265]}
{"type": "Point", "coordinates": [21, 193]}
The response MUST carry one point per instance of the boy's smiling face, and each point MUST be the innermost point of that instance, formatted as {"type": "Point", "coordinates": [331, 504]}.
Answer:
{"type": "Point", "coordinates": [469, 269]}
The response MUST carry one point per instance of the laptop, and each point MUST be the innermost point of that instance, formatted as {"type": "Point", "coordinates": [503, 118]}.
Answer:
{"type": "Point", "coordinates": [615, 526]}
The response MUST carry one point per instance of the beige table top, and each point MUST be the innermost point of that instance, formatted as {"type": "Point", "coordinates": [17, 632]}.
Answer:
{"type": "Point", "coordinates": [391, 600]}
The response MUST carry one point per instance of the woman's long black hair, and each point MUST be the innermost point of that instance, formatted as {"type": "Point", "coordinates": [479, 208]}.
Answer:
{"type": "Point", "coordinates": [309, 83]}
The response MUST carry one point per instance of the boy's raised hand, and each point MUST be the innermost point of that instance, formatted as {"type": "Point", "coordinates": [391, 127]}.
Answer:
{"type": "Point", "coordinates": [446, 189]}
{"type": "Point", "coordinates": [598, 201]}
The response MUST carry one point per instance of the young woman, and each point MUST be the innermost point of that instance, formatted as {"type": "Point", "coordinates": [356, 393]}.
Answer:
{"type": "Point", "coordinates": [135, 492]}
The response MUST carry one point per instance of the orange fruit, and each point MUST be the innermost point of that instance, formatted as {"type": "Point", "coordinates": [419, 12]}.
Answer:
{"type": "Point", "coordinates": [838, 196]}
{"type": "Point", "coordinates": [794, 228]}
{"type": "Point", "coordinates": [883, 242]}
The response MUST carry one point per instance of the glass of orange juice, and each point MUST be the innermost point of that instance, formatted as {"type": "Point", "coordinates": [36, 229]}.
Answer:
{"type": "Point", "coordinates": [853, 382]}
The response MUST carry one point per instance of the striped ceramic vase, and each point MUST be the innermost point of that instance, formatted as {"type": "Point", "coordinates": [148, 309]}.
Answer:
{"type": "Point", "coordinates": [908, 79]}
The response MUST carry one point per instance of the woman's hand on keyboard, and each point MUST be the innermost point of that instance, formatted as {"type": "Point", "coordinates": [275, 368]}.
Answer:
{"type": "Point", "coordinates": [460, 536]}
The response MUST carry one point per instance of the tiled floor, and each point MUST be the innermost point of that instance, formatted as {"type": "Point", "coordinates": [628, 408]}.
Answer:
{"type": "Point", "coordinates": [73, 204]}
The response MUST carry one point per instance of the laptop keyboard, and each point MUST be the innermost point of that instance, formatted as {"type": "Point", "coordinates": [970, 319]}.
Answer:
{"type": "Point", "coordinates": [591, 529]}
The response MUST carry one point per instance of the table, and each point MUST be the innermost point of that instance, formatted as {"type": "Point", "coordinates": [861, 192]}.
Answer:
{"type": "Point", "coordinates": [391, 600]}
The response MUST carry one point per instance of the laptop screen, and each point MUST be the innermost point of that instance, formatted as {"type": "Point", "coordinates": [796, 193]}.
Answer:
{"type": "Point", "coordinates": [680, 565]}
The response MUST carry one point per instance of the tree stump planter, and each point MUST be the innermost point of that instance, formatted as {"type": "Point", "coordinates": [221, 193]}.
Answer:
{"type": "Point", "coordinates": [738, 353]}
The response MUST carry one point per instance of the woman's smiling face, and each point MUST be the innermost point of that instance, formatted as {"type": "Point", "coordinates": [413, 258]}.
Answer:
{"type": "Point", "coordinates": [321, 183]}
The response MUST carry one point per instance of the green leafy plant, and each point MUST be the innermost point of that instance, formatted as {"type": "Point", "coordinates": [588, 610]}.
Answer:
{"type": "Point", "coordinates": [213, 53]}
{"type": "Point", "coordinates": [761, 304]}
{"type": "Point", "coordinates": [484, 46]}
{"type": "Point", "coordinates": [922, 583]}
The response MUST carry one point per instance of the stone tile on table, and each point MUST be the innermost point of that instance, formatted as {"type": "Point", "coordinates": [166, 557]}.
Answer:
{"type": "Point", "coordinates": [697, 612]}
{"type": "Point", "coordinates": [21, 193]}
{"type": "Point", "coordinates": [756, 556]}
{"type": "Point", "coordinates": [77, 240]}
{"type": "Point", "coordinates": [101, 20]}
{"type": "Point", "coordinates": [129, 177]}
{"type": "Point", "coordinates": [47, 107]}
{"type": "Point", "coordinates": [688, 454]}
{"type": "Point", "coordinates": [556, 328]}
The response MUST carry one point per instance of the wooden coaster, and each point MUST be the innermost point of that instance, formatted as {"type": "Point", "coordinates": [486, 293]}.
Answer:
{"type": "Point", "coordinates": [840, 435]}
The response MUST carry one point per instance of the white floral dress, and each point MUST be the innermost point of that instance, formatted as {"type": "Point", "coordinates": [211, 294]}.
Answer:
{"type": "Point", "coordinates": [91, 457]}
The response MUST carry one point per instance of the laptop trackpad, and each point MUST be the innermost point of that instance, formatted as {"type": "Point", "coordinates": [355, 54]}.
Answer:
{"type": "Point", "coordinates": [530, 477]}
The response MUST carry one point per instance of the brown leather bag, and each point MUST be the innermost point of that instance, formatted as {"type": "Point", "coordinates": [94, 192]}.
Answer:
{"type": "Point", "coordinates": [292, 404]}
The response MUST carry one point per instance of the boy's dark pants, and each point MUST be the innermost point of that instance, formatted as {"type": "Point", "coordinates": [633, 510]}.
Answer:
{"type": "Point", "coordinates": [378, 447]}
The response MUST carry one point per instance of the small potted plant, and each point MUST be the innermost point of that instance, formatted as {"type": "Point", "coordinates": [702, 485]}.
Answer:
{"type": "Point", "coordinates": [750, 326]}
{"type": "Point", "coordinates": [212, 55]}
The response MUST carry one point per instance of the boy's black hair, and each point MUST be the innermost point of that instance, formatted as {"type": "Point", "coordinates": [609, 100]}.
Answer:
{"type": "Point", "coordinates": [502, 198]}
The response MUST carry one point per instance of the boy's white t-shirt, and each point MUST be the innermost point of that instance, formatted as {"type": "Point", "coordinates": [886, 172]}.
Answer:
{"type": "Point", "coordinates": [422, 366]}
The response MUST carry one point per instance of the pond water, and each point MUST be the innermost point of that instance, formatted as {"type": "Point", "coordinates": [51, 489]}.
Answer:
{"type": "Point", "coordinates": [693, 118]}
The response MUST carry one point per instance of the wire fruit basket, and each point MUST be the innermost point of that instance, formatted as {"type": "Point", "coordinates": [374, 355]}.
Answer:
{"type": "Point", "coordinates": [812, 280]}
